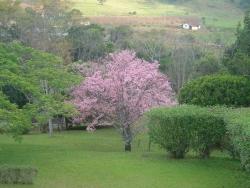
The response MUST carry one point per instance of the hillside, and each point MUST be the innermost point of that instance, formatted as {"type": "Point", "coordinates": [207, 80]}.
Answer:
{"type": "Point", "coordinates": [220, 13]}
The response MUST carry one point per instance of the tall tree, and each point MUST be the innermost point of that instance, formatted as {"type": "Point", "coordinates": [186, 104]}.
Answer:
{"type": "Point", "coordinates": [237, 57]}
{"type": "Point", "coordinates": [121, 92]}
{"type": "Point", "coordinates": [40, 78]}
{"type": "Point", "coordinates": [41, 24]}
{"type": "Point", "coordinates": [88, 42]}
{"type": "Point", "coordinates": [10, 11]}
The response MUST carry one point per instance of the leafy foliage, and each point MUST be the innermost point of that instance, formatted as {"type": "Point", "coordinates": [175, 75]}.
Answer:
{"type": "Point", "coordinates": [9, 10]}
{"type": "Point", "coordinates": [180, 128]}
{"type": "Point", "coordinates": [88, 42]}
{"type": "Point", "coordinates": [238, 121]}
{"type": "Point", "coordinates": [121, 92]}
{"type": "Point", "coordinates": [236, 58]}
{"type": "Point", "coordinates": [217, 90]}
{"type": "Point", "coordinates": [12, 119]}
{"type": "Point", "coordinates": [39, 80]}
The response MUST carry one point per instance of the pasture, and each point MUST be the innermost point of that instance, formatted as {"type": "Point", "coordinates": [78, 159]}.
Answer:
{"type": "Point", "coordinates": [211, 12]}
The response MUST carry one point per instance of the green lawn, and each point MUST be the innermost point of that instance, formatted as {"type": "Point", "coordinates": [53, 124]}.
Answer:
{"type": "Point", "coordinates": [78, 159]}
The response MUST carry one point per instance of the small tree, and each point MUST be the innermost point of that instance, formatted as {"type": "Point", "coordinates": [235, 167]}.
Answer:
{"type": "Point", "coordinates": [122, 91]}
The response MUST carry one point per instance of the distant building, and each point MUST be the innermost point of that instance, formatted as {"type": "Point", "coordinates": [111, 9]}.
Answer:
{"type": "Point", "coordinates": [186, 26]}
{"type": "Point", "coordinates": [85, 23]}
{"type": "Point", "coordinates": [191, 26]}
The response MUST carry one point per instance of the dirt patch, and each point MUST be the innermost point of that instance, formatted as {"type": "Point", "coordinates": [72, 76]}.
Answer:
{"type": "Point", "coordinates": [168, 21]}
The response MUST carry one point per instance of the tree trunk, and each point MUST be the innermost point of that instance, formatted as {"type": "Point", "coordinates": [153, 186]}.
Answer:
{"type": "Point", "coordinates": [128, 147]}
{"type": "Point", "coordinates": [50, 127]}
{"type": "Point", "coordinates": [127, 134]}
{"type": "Point", "coordinates": [205, 153]}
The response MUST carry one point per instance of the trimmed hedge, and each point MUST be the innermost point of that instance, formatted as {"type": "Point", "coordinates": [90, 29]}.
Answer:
{"type": "Point", "coordinates": [185, 127]}
{"type": "Point", "coordinates": [216, 90]}
{"type": "Point", "coordinates": [238, 126]}
{"type": "Point", "coordinates": [180, 128]}
{"type": "Point", "coordinates": [17, 175]}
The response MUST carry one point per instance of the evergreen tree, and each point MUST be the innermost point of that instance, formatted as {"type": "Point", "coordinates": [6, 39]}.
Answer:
{"type": "Point", "coordinates": [237, 57]}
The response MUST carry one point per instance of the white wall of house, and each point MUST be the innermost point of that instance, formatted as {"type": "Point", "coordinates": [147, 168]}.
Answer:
{"type": "Point", "coordinates": [191, 27]}
{"type": "Point", "coordinates": [186, 26]}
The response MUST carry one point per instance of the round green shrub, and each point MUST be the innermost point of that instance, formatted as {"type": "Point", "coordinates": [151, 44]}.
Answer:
{"type": "Point", "coordinates": [216, 90]}
{"type": "Point", "coordinates": [180, 128]}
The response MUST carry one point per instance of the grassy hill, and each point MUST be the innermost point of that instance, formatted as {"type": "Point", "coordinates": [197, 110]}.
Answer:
{"type": "Point", "coordinates": [219, 13]}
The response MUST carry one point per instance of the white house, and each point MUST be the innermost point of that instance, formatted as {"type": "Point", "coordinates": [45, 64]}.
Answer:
{"type": "Point", "coordinates": [87, 23]}
{"type": "Point", "coordinates": [196, 27]}
{"type": "Point", "coordinates": [185, 26]}
{"type": "Point", "coordinates": [191, 26]}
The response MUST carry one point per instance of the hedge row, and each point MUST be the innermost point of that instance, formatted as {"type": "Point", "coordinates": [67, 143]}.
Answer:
{"type": "Point", "coordinates": [216, 90]}
{"type": "Point", "coordinates": [186, 127]}
{"type": "Point", "coordinates": [238, 126]}
{"type": "Point", "coordinates": [17, 175]}
{"type": "Point", "coordinates": [183, 127]}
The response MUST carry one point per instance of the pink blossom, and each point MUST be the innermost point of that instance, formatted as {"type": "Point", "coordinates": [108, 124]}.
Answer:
{"type": "Point", "coordinates": [122, 91]}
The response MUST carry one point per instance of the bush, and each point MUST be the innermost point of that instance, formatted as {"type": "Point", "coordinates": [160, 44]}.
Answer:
{"type": "Point", "coordinates": [217, 90]}
{"type": "Point", "coordinates": [238, 126]}
{"type": "Point", "coordinates": [17, 175]}
{"type": "Point", "coordinates": [185, 127]}
{"type": "Point", "coordinates": [209, 131]}
{"type": "Point", "coordinates": [169, 131]}
{"type": "Point", "coordinates": [180, 128]}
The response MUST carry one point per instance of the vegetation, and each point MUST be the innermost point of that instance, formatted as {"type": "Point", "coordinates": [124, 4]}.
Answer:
{"type": "Point", "coordinates": [60, 69]}
{"type": "Point", "coordinates": [202, 129]}
{"type": "Point", "coordinates": [88, 41]}
{"type": "Point", "coordinates": [239, 131]}
{"type": "Point", "coordinates": [82, 159]}
{"type": "Point", "coordinates": [17, 175]}
{"type": "Point", "coordinates": [215, 16]}
{"type": "Point", "coordinates": [33, 88]}
{"type": "Point", "coordinates": [217, 90]}
{"type": "Point", "coordinates": [236, 58]}
{"type": "Point", "coordinates": [182, 128]}
{"type": "Point", "coordinates": [121, 92]}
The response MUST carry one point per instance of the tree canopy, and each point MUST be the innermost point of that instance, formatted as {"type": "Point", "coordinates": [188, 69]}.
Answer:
{"type": "Point", "coordinates": [237, 56]}
{"type": "Point", "coordinates": [122, 91]}
{"type": "Point", "coordinates": [33, 87]}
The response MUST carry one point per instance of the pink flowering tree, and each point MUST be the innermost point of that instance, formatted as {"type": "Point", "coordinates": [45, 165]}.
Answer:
{"type": "Point", "coordinates": [121, 91]}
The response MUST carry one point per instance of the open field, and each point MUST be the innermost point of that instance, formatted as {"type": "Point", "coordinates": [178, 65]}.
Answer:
{"type": "Point", "coordinates": [78, 159]}
{"type": "Point", "coordinates": [219, 19]}
{"type": "Point", "coordinates": [221, 13]}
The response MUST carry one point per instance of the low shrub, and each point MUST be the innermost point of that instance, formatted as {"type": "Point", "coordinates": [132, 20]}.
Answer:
{"type": "Point", "coordinates": [216, 90]}
{"type": "Point", "coordinates": [180, 128]}
{"type": "Point", "coordinates": [185, 127]}
{"type": "Point", "coordinates": [238, 126]}
{"type": "Point", "coordinates": [169, 131]}
{"type": "Point", "coordinates": [209, 130]}
{"type": "Point", "coordinates": [17, 175]}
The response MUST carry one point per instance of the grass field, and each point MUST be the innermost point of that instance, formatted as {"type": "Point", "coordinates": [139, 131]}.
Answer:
{"type": "Point", "coordinates": [220, 13]}
{"type": "Point", "coordinates": [78, 159]}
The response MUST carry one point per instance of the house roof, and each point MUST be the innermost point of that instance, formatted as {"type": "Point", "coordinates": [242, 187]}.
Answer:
{"type": "Point", "coordinates": [193, 21]}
